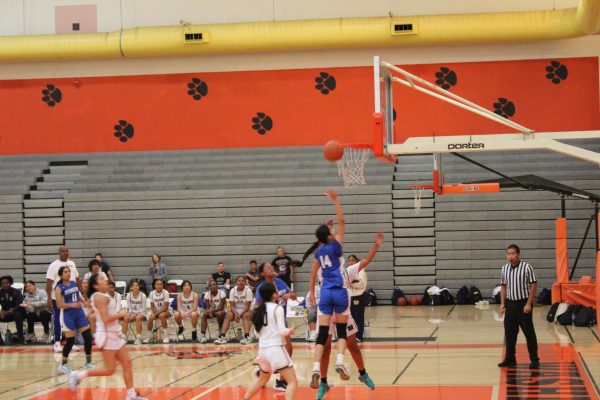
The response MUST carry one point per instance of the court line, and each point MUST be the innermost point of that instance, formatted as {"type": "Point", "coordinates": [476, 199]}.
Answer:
{"type": "Point", "coordinates": [569, 332]}
{"type": "Point", "coordinates": [594, 333]}
{"type": "Point", "coordinates": [405, 368]}
{"type": "Point", "coordinates": [222, 383]}
{"type": "Point", "coordinates": [452, 309]}
{"type": "Point", "coordinates": [432, 333]}
{"type": "Point", "coordinates": [587, 369]}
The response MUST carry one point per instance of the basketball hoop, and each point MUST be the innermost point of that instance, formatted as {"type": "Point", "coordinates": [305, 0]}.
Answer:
{"type": "Point", "coordinates": [351, 166]}
{"type": "Point", "coordinates": [417, 192]}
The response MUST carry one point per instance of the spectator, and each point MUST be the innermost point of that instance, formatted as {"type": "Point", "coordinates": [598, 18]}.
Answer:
{"type": "Point", "coordinates": [158, 269]}
{"type": "Point", "coordinates": [52, 279]}
{"type": "Point", "coordinates": [222, 278]}
{"type": "Point", "coordinates": [187, 307]}
{"type": "Point", "coordinates": [94, 267]}
{"type": "Point", "coordinates": [34, 304]}
{"type": "Point", "coordinates": [283, 266]}
{"type": "Point", "coordinates": [11, 300]}
{"type": "Point", "coordinates": [114, 295]}
{"type": "Point", "coordinates": [159, 309]}
{"type": "Point", "coordinates": [136, 305]}
{"type": "Point", "coordinates": [214, 306]}
{"type": "Point", "coordinates": [104, 266]}
{"type": "Point", "coordinates": [240, 299]}
{"type": "Point", "coordinates": [253, 276]}
{"type": "Point", "coordinates": [359, 298]}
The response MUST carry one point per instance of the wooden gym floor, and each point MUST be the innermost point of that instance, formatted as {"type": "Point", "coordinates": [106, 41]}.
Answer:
{"type": "Point", "coordinates": [441, 353]}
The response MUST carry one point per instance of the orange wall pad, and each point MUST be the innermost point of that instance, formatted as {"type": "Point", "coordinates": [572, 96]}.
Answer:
{"type": "Point", "coordinates": [286, 107]}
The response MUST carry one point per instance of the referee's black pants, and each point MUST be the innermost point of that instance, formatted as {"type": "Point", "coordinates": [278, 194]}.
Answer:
{"type": "Point", "coordinates": [514, 318]}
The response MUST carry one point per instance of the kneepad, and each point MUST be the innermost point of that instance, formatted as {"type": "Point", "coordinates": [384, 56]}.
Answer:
{"type": "Point", "coordinates": [323, 334]}
{"type": "Point", "coordinates": [87, 335]}
{"type": "Point", "coordinates": [341, 329]}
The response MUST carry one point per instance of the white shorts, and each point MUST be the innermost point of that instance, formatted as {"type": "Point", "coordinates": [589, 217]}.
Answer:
{"type": "Point", "coordinates": [351, 328]}
{"type": "Point", "coordinates": [277, 357]}
{"type": "Point", "coordinates": [133, 316]}
{"type": "Point", "coordinates": [109, 340]}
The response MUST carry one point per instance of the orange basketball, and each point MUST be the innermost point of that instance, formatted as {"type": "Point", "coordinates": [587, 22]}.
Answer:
{"type": "Point", "coordinates": [333, 151]}
{"type": "Point", "coordinates": [413, 301]}
{"type": "Point", "coordinates": [401, 301]}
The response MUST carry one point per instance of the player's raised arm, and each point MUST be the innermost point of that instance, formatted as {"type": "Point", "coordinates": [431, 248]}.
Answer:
{"type": "Point", "coordinates": [371, 254]}
{"type": "Point", "coordinates": [339, 213]}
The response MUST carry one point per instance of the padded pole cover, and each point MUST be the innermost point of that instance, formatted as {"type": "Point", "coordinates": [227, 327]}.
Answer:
{"type": "Point", "coordinates": [562, 256]}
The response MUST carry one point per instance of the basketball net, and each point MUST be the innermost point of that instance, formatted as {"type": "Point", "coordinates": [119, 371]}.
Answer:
{"type": "Point", "coordinates": [351, 166]}
{"type": "Point", "coordinates": [417, 192]}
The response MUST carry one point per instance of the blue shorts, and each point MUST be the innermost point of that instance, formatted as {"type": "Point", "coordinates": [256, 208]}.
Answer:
{"type": "Point", "coordinates": [333, 300]}
{"type": "Point", "coordinates": [73, 320]}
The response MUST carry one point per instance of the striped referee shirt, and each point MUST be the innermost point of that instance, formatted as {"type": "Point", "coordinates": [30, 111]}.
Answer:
{"type": "Point", "coordinates": [517, 280]}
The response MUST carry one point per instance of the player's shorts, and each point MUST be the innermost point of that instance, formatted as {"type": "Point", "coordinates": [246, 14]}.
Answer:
{"type": "Point", "coordinates": [277, 357]}
{"type": "Point", "coordinates": [133, 315]}
{"type": "Point", "coordinates": [240, 310]}
{"type": "Point", "coordinates": [73, 319]}
{"type": "Point", "coordinates": [351, 328]}
{"type": "Point", "coordinates": [109, 340]}
{"type": "Point", "coordinates": [334, 300]}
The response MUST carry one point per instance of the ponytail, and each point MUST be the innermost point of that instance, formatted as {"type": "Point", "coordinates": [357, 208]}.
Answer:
{"type": "Point", "coordinates": [91, 283]}
{"type": "Point", "coordinates": [259, 319]}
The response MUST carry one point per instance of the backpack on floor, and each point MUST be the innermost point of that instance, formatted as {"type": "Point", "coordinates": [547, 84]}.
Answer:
{"type": "Point", "coordinates": [497, 294]}
{"type": "Point", "coordinates": [474, 295]}
{"type": "Point", "coordinates": [567, 317]}
{"type": "Point", "coordinates": [446, 297]}
{"type": "Point", "coordinates": [372, 299]}
{"type": "Point", "coordinates": [396, 294]}
{"type": "Point", "coordinates": [551, 316]}
{"type": "Point", "coordinates": [545, 297]}
{"type": "Point", "coordinates": [586, 316]}
{"type": "Point", "coordinates": [462, 296]}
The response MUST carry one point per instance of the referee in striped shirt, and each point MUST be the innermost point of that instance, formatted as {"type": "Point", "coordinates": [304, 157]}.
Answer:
{"type": "Point", "coordinates": [518, 289]}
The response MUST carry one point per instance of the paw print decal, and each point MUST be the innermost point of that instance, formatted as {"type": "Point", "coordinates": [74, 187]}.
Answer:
{"type": "Point", "coordinates": [124, 131]}
{"type": "Point", "coordinates": [556, 72]}
{"type": "Point", "coordinates": [446, 78]}
{"type": "Point", "coordinates": [325, 83]}
{"type": "Point", "coordinates": [52, 95]}
{"type": "Point", "coordinates": [504, 108]}
{"type": "Point", "coordinates": [262, 123]}
{"type": "Point", "coordinates": [394, 114]}
{"type": "Point", "coordinates": [197, 89]}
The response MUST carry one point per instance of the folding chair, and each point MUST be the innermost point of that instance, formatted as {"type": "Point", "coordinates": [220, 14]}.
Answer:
{"type": "Point", "coordinates": [120, 287]}
{"type": "Point", "coordinates": [296, 309]}
{"type": "Point", "coordinates": [174, 287]}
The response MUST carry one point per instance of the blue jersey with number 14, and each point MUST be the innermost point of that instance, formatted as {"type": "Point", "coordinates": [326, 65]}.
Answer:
{"type": "Point", "coordinates": [332, 263]}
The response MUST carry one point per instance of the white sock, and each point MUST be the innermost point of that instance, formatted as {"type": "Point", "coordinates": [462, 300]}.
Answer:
{"type": "Point", "coordinates": [316, 366]}
{"type": "Point", "coordinates": [82, 375]}
{"type": "Point", "coordinates": [194, 330]}
{"type": "Point", "coordinates": [131, 392]}
{"type": "Point", "coordinates": [339, 359]}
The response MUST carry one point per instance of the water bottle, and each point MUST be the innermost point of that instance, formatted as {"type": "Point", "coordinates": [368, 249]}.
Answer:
{"type": "Point", "coordinates": [238, 334]}
{"type": "Point", "coordinates": [367, 330]}
{"type": "Point", "coordinates": [8, 338]}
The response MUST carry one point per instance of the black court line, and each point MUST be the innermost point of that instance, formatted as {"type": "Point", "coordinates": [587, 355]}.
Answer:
{"type": "Point", "coordinates": [384, 339]}
{"type": "Point", "coordinates": [452, 309]}
{"type": "Point", "coordinates": [211, 379]}
{"type": "Point", "coordinates": [405, 368]}
{"type": "Point", "coordinates": [431, 336]}
{"type": "Point", "coordinates": [587, 369]}
{"type": "Point", "coordinates": [569, 332]}
{"type": "Point", "coordinates": [595, 334]}
{"type": "Point", "coordinates": [52, 386]}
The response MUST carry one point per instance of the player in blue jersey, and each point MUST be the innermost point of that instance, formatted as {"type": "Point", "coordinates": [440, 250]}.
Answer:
{"type": "Point", "coordinates": [334, 294]}
{"type": "Point", "coordinates": [72, 318]}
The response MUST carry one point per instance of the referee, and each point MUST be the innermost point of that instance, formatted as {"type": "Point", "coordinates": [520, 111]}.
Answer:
{"type": "Point", "coordinates": [518, 289]}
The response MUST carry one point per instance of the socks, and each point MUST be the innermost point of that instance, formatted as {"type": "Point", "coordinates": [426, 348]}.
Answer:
{"type": "Point", "coordinates": [324, 380]}
{"type": "Point", "coordinates": [362, 371]}
{"type": "Point", "coordinates": [88, 359]}
{"type": "Point", "coordinates": [246, 335]}
{"type": "Point", "coordinates": [64, 361]}
{"type": "Point", "coordinates": [82, 375]}
{"type": "Point", "coordinates": [316, 366]}
{"type": "Point", "coordinates": [131, 392]}
{"type": "Point", "coordinates": [339, 359]}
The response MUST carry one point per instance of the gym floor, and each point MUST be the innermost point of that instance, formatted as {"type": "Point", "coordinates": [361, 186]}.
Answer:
{"type": "Point", "coordinates": [441, 353]}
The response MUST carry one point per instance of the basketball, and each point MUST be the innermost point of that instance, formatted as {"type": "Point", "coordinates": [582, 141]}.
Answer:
{"type": "Point", "coordinates": [333, 151]}
{"type": "Point", "coordinates": [401, 301]}
{"type": "Point", "coordinates": [413, 301]}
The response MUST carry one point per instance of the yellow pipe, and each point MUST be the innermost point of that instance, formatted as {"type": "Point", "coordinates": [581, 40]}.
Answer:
{"type": "Point", "coordinates": [308, 35]}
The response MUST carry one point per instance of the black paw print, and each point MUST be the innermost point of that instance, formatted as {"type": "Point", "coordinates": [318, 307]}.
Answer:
{"type": "Point", "coordinates": [446, 78]}
{"type": "Point", "coordinates": [504, 108]}
{"type": "Point", "coordinates": [124, 131]}
{"type": "Point", "coordinates": [394, 114]}
{"type": "Point", "coordinates": [325, 83]}
{"type": "Point", "coordinates": [52, 95]}
{"type": "Point", "coordinates": [262, 123]}
{"type": "Point", "coordinates": [197, 88]}
{"type": "Point", "coordinates": [556, 72]}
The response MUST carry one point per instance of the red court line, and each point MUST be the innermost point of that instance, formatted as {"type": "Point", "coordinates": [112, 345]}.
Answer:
{"type": "Point", "coordinates": [210, 348]}
{"type": "Point", "coordinates": [338, 392]}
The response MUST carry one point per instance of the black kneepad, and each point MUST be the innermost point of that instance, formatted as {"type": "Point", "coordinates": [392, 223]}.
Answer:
{"type": "Point", "coordinates": [323, 334]}
{"type": "Point", "coordinates": [341, 329]}
{"type": "Point", "coordinates": [87, 335]}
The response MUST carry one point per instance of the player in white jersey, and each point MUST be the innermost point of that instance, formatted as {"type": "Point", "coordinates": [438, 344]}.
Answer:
{"type": "Point", "coordinates": [159, 309]}
{"type": "Point", "coordinates": [108, 339]}
{"type": "Point", "coordinates": [187, 308]}
{"type": "Point", "coordinates": [136, 309]}
{"type": "Point", "coordinates": [240, 299]}
{"type": "Point", "coordinates": [350, 274]}
{"type": "Point", "coordinates": [269, 324]}
{"type": "Point", "coordinates": [214, 307]}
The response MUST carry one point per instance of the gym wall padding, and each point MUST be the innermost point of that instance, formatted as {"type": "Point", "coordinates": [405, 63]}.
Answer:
{"type": "Point", "coordinates": [299, 107]}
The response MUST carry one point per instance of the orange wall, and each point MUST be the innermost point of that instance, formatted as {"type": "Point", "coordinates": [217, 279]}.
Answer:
{"type": "Point", "coordinates": [165, 117]}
